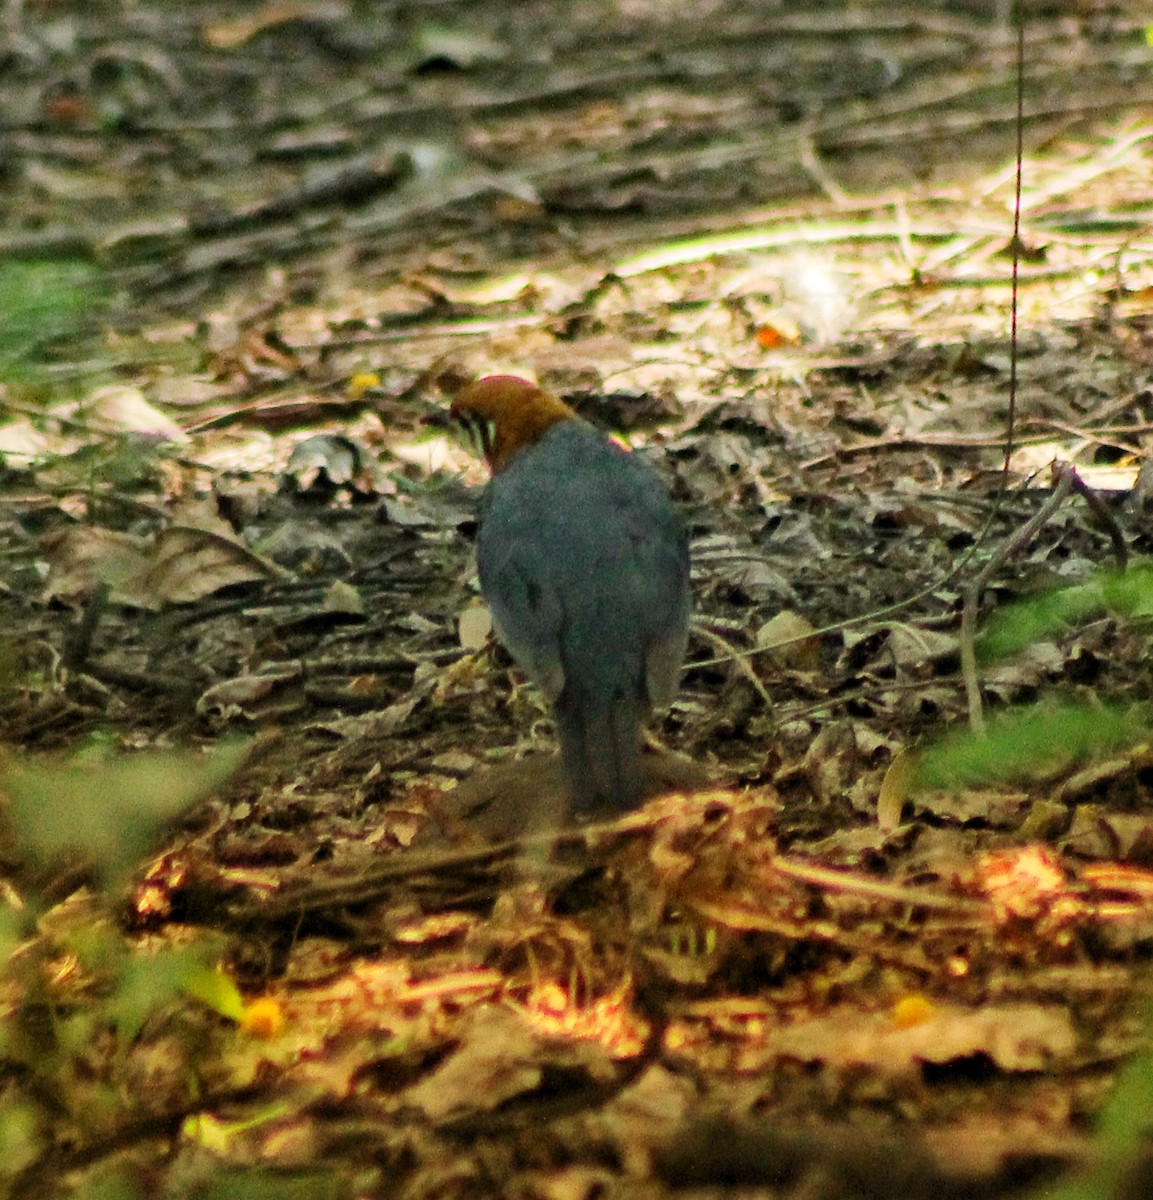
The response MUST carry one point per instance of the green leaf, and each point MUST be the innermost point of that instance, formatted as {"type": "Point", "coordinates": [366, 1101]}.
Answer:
{"type": "Point", "coordinates": [213, 987]}
{"type": "Point", "coordinates": [1029, 743]}
{"type": "Point", "coordinates": [107, 1181]}
{"type": "Point", "coordinates": [1033, 620]}
{"type": "Point", "coordinates": [1122, 1132]}
{"type": "Point", "coordinates": [110, 808]}
{"type": "Point", "coordinates": [260, 1183]}
{"type": "Point", "coordinates": [1125, 1122]}
{"type": "Point", "coordinates": [148, 982]}
{"type": "Point", "coordinates": [1128, 593]}
{"type": "Point", "coordinates": [11, 931]}
{"type": "Point", "coordinates": [42, 301]}
{"type": "Point", "coordinates": [20, 1136]}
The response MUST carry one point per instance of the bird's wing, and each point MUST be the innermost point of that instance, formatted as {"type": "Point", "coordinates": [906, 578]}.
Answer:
{"type": "Point", "coordinates": [661, 548]}
{"type": "Point", "coordinates": [583, 559]}
{"type": "Point", "coordinates": [527, 612]}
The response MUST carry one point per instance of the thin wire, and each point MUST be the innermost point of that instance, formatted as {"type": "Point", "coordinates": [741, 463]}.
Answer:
{"type": "Point", "coordinates": [1011, 419]}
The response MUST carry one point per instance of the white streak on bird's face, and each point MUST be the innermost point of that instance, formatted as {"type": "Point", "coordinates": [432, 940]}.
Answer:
{"type": "Point", "coordinates": [478, 433]}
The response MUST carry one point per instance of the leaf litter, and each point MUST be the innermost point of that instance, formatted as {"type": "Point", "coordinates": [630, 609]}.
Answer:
{"type": "Point", "coordinates": [797, 955]}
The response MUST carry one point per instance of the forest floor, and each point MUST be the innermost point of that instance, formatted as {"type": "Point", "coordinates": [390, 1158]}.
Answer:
{"type": "Point", "coordinates": [278, 919]}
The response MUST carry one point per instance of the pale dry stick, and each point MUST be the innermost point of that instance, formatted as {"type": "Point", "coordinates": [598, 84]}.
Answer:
{"type": "Point", "coordinates": [1097, 437]}
{"type": "Point", "coordinates": [779, 235]}
{"type": "Point", "coordinates": [972, 597]}
{"type": "Point", "coordinates": [1104, 518]}
{"type": "Point", "coordinates": [963, 246]}
{"type": "Point", "coordinates": [1067, 181]}
{"type": "Point", "coordinates": [368, 885]}
{"type": "Point", "coordinates": [1115, 408]}
{"type": "Point", "coordinates": [834, 879]}
{"type": "Point", "coordinates": [818, 172]}
{"type": "Point", "coordinates": [729, 653]}
{"type": "Point", "coordinates": [804, 712]}
{"type": "Point", "coordinates": [904, 233]}
{"type": "Point", "coordinates": [1032, 275]}
{"type": "Point", "coordinates": [1107, 435]}
{"type": "Point", "coordinates": [932, 441]}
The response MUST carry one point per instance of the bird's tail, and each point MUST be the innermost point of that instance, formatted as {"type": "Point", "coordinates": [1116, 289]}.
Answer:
{"type": "Point", "coordinates": [601, 747]}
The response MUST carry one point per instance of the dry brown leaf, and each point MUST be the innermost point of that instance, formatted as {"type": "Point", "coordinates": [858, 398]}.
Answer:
{"type": "Point", "coordinates": [1003, 810]}
{"type": "Point", "coordinates": [895, 791]}
{"type": "Point", "coordinates": [120, 408]}
{"type": "Point", "coordinates": [909, 646]}
{"type": "Point", "coordinates": [344, 599]}
{"type": "Point", "coordinates": [386, 722]}
{"type": "Point", "coordinates": [650, 1107]}
{"type": "Point", "coordinates": [789, 642]}
{"type": "Point", "coordinates": [232, 34]}
{"type": "Point", "coordinates": [189, 391]}
{"type": "Point", "coordinates": [1024, 882]}
{"type": "Point", "coordinates": [473, 627]}
{"type": "Point", "coordinates": [185, 565]}
{"type": "Point", "coordinates": [499, 1058]}
{"type": "Point", "coordinates": [831, 760]}
{"type": "Point", "coordinates": [83, 557]}
{"type": "Point", "coordinates": [1016, 1037]}
{"type": "Point", "coordinates": [21, 443]}
{"type": "Point", "coordinates": [236, 696]}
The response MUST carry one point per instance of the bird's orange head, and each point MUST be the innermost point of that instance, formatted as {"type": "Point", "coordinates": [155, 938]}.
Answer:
{"type": "Point", "coordinates": [504, 413]}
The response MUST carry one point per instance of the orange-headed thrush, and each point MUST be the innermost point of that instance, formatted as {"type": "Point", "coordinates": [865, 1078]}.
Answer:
{"type": "Point", "coordinates": [584, 563]}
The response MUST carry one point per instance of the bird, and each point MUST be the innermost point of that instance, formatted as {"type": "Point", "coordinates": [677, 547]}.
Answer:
{"type": "Point", "coordinates": [584, 563]}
